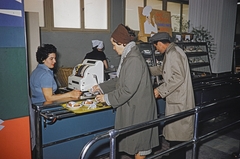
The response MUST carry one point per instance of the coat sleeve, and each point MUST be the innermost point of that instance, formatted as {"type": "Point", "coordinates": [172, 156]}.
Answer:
{"type": "Point", "coordinates": [176, 75]}
{"type": "Point", "coordinates": [129, 80]}
{"type": "Point", "coordinates": [156, 70]}
{"type": "Point", "coordinates": [109, 85]}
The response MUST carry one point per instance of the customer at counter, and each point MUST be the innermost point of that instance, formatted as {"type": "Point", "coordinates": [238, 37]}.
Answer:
{"type": "Point", "coordinates": [97, 53]}
{"type": "Point", "coordinates": [131, 94]}
{"type": "Point", "coordinates": [177, 89]}
{"type": "Point", "coordinates": [42, 82]}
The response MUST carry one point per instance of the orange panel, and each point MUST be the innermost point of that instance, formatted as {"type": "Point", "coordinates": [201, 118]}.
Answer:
{"type": "Point", "coordinates": [15, 139]}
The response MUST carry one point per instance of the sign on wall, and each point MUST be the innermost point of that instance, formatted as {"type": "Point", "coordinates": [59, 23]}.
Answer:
{"type": "Point", "coordinates": [152, 21]}
{"type": "Point", "coordinates": [11, 13]}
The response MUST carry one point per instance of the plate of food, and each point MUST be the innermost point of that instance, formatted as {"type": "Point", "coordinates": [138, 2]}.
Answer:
{"type": "Point", "coordinates": [91, 104]}
{"type": "Point", "coordinates": [73, 105]}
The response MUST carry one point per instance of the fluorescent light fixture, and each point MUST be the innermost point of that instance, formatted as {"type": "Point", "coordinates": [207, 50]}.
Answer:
{"type": "Point", "coordinates": [238, 3]}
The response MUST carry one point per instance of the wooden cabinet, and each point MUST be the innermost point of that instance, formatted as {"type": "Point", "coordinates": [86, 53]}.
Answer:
{"type": "Point", "coordinates": [198, 58]}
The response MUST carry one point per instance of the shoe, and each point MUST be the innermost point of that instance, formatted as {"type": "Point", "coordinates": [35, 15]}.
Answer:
{"type": "Point", "coordinates": [235, 155]}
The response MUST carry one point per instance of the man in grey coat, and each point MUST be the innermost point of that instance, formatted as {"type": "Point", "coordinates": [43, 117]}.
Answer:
{"type": "Point", "coordinates": [131, 94]}
{"type": "Point", "coordinates": [176, 88]}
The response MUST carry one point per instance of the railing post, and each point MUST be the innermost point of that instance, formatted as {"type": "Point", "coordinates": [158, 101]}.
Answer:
{"type": "Point", "coordinates": [195, 135]}
{"type": "Point", "coordinates": [113, 135]}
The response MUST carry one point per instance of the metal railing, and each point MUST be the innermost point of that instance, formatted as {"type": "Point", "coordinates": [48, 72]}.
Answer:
{"type": "Point", "coordinates": [113, 134]}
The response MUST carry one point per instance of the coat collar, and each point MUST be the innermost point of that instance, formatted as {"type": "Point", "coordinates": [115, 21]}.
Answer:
{"type": "Point", "coordinates": [171, 45]}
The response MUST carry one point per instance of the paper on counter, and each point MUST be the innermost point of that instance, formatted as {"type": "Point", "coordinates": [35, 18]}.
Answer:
{"type": "Point", "coordinates": [1, 121]}
{"type": "Point", "coordinates": [1, 126]}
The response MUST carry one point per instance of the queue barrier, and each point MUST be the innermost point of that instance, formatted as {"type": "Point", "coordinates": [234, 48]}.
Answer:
{"type": "Point", "coordinates": [113, 134]}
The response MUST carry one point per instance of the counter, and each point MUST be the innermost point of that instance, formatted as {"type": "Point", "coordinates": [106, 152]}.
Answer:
{"type": "Point", "coordinates": [62, 133]}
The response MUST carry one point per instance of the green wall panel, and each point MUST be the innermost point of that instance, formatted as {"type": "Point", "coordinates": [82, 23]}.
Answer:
{"type": "Point", "coordinates": [13, 83]}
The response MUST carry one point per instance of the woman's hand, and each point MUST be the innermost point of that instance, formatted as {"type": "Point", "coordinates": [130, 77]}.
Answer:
{"type": "Point", "coordinates": [50, 97]}
{"type": "Point", "coordinates": [156, 93]}
{"type": "Point", "coordinates": [100, 98]}
{"type": "Point", "coordinates": [95, 89]}
{"type": "Point", "coordinates": [75, 93]}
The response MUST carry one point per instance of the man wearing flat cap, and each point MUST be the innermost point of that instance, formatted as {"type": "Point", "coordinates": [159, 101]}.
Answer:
{"type": "Point", "coordinates": [176, 88]}
{"type": "Point", "coordinates": [131, 94]}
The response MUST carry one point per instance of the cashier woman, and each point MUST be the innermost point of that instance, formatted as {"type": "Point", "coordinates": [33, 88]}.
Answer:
{"type": "Point", "coordinates": [131, 94]}
{"type": "Point", "coordinates": [42, 82]}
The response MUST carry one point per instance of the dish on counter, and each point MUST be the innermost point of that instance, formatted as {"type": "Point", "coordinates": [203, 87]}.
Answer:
{"type": "Point", "coordinates": [91, 104]}
{"type": "Point", "coordinates": [73, 105]}
{"type": "Point", "coordinates": [87, 94]}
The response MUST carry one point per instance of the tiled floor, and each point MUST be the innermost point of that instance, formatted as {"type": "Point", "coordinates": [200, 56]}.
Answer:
{"type": "Point", "coordinates": [220, 146]}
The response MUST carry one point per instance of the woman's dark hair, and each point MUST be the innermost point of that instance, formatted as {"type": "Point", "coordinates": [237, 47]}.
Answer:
{"type": "Point", "coordinates": [43, 52]}
{"type": "Point", "coordinates": [130, 32]}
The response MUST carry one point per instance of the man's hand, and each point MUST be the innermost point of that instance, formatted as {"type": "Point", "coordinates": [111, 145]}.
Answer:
{"type": "Point", "coordinates": [156, 93]}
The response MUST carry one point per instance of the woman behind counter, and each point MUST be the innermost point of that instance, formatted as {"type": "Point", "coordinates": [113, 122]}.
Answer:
{"type": "Point", "coordinates": [42, 82]}
{"type": "Point", "coordinates": [131, 94]}
{"type": "Point", "coordinates": [97, 53]}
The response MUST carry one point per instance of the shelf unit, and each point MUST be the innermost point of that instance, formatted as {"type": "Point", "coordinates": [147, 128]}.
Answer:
{"type": "Point", "coordinates": [198, 58]}
{"type": "Point", "coordinates": [152, 59]}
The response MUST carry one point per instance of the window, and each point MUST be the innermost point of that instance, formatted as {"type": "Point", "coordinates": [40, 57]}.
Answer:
{"type": "Point", "coordinates": [155, 4]}
{"type": "Point", "coordinates": [131, 13]}
{"type": "Point", "coordinates": [179, 16]}
{"type": "Point", "coordinates": [65, 14]}
{"type": "Point", "coordinates": [95, 16]}
{"type": "Point", "coordinates": [77, 14]}
{"type": "Point", "coordinates": [174, 8]}
{"type": "Point", "coordinates": [185, 18]}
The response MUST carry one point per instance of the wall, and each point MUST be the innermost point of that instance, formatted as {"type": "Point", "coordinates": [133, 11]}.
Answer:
{"type": "Point", "coordinates": [72, 46]}
{"type": "Point", "coordinates": [15, 135]}
{"type": "Point", "coordinates": [33, 38]}
{"type": "Point", "coordinates": [37, 7]}
{"type": "Point", "coordinates": [218, 17]}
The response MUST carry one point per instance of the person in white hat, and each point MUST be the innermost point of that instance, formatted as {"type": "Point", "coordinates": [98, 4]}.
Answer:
{"type": "Point", "coordinates": [97, 53]}
{"type": "Point", "coordinates": [149, 28]}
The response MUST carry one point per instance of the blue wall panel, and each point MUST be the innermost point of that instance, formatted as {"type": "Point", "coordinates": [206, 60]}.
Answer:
{"type": "Point", "coordinates": [12, 37]}
{"type": "Point", "coordinates": [11, 13]}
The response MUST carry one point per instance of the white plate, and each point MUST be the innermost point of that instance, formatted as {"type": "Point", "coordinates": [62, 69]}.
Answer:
{"type": "Point", "coordinates": [87, 94]}
{"type": "Point", "coordinates": [93, 105]}
{"type": "Point", "coordinates": [93, 102]}
{"type": "Point", "coordinates": [73, 105]}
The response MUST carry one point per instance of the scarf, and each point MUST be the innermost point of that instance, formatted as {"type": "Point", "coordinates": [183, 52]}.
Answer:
{"type": "Point", "coordinates": [126, 50]}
